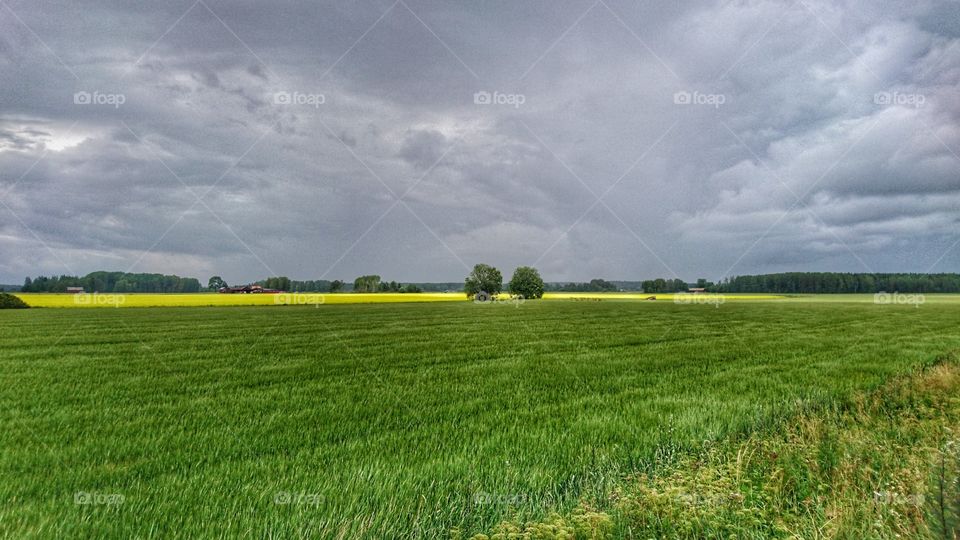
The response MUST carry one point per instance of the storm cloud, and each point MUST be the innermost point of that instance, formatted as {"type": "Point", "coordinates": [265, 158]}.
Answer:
{"type": "Point", "coordinates": [410, 138]}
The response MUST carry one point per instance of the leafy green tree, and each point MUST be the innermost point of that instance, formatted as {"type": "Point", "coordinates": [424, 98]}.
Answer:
{"type": "Point", "coordinates": [526, 282]}
{"type": "Point", "coordinates": [281, 283]}
{"type": "Point", "coordinates": [336, 286]}
{"type": "Point", "coordinates": [483, 278]}
{"type": "Point", "coordinates": [366, 284]}
{"type": "Point", "coordinates": [602, 285]}
{"type": "Point", "coordinates": [216, 283]}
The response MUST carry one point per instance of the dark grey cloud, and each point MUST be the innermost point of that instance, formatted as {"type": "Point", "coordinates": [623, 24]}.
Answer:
{"type": "Point", "coordinates": [722, 137]}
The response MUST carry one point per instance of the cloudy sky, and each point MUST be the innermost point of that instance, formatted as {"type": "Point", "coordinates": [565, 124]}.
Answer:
{"type": "Point", "coordinates": [620, 139]}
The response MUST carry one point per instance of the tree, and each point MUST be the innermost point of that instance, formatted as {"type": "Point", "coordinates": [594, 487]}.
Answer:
{"type": "Point", "coordinates": [336, 286]}
{"type": "Point", "coordinates": [281, 283]}
{"type": "Point", "coordinates": [366, 284]}
{"type": "Point", "coordinates": [601, 285]}
{"type": "Point", "coordinates": [484, 278]}
{"type": "Point", "coordinates": [676, 285]}
{"type": "Point", "coordinates": [216, 283]}
{"type": "Point", "coordinates": [526, 282]}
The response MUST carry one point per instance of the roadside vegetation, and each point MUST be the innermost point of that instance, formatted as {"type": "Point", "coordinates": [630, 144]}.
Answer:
{"type": "Point", "coordinates": [883, 464]}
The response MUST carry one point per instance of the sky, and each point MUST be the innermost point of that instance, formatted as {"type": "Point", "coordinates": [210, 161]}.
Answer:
{"type": "Point", "coordinates": [619, 139]}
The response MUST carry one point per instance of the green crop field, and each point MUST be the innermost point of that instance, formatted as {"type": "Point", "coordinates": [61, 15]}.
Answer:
{"type": "Point", "coordinates": [405, 420]}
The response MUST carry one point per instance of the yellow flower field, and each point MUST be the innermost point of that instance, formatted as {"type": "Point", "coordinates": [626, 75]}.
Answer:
{"type": "Point", "coordinates": [93, 300]}
{"type": "Point", "coordinates": [90, 300]}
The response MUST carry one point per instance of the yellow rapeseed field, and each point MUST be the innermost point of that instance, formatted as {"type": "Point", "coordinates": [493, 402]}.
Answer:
{"type": "Point", "coordinates": [92, 300]}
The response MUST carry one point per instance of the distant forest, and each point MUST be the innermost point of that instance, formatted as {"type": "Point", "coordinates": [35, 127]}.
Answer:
{"type": "Point", "coordinates": [831, 282]}
{"type": "Point", "coordinates": [784, 283]}
{"type": "Point", "coordinates": [114, 282]}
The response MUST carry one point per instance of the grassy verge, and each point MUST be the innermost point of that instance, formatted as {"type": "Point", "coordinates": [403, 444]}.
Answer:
{"type": "Point", "coordinates": [885, 464]}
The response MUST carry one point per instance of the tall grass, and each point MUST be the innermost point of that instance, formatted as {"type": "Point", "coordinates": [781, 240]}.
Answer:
{"type": "Point", "coordinates": [884, 465]}
{"type": "Point", "coordinates": [390, 421]}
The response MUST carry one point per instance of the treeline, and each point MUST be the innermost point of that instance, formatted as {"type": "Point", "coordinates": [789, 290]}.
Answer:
{"type": "Point", "coordinates": [661, 285]}
{"type": "Point", "coordinates": [311, 285]}
{"type": "Point", "coordinates": [369, 283]}
{"type": "Point", "coordinates": [373, 283]}
{"type": "Point", "coordinates": [831, 282]}
{"type": "Point", "coordinates": [113, 282]}
{"type": "Point", "coordinates": [595, 285]}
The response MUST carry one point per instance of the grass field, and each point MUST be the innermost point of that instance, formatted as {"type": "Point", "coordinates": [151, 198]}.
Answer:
{"type": "Point", "coordinates": [405, 420]}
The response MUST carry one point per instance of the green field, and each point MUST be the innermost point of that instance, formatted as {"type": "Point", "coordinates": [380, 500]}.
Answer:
{"type": "Point", "coordinates": [404, 420]}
